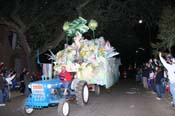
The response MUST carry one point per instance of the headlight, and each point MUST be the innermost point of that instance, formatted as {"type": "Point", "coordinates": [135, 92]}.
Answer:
{"type": "Point", "coordinates": [29, 85]}
{"type": "Point", "coordinates": [49, 86]}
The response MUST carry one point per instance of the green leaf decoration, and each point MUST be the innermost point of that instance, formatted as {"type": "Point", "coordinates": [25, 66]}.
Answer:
{"type": "Point", "coordinates": [79, 25]}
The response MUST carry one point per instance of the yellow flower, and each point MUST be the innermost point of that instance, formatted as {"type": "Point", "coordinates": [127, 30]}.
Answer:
{"type": "Point", "coordinates": [83, 53]}
{"type": "Point", "coordinates": [101, 50]}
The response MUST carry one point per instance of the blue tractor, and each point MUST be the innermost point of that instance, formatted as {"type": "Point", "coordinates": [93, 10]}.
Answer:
{"type": "Point", "coordinates": [47, 93]}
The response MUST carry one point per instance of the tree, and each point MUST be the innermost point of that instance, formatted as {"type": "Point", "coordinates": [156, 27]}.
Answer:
{"type": "Point", "coordinates": [37, 23]}
{"type": "Point", "coordinates": [166, 36]}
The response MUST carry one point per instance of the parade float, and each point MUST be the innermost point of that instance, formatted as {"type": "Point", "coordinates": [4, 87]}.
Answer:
{"type": "Point", "coordinates": [93, 59]}
{"type": "Point", "coordinates": [91, 62]}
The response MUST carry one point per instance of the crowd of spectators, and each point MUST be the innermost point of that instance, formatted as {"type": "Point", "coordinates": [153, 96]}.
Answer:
{"type": "Point", "coordinates": [10, 80]}
{"type": "Point", "coordinates": [158, 75]}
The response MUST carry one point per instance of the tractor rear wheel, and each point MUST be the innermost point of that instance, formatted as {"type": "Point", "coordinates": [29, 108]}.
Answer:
{"type": "Point", "coordinates": [97, 90]}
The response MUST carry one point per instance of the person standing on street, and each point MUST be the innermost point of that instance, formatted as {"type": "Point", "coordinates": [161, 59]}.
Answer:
{"type": "Point", "coordinates": [145, 76]}
{"type": "Point", "coordinates": [171, 74]}
{"type": "Point", "coordinates": [26, 83]}
{"type": "Point", "coordinates": [2, 86]}
{"type": "Point", "coordinates": [159, 84]}
{"type": "Point", "coordinates": [22, 84]}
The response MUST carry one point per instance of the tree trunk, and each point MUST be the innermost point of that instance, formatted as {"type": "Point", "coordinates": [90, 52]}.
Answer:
{"type": "Point", "coordinates": [23, 41]}
{"type": "Point", "coordinates": [26, 48]}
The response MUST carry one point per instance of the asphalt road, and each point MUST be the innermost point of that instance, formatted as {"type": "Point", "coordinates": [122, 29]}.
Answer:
{"type": "Point", "coordinates": [124, 99]}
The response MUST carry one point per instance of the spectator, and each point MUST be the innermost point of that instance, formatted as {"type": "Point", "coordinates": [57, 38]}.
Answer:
{"type": "Point", "coordinates": [1, 65]}
{"type": "Point", "coordinates": [22, 84]}
{"type": "Point", "coordinates": [2, 86]}
{"type": "Point", "coordinates": [33, 77]}
{"type": "Point", "coordinates": [159, 84]}
{"type": "Point", "coordinates": [145, 76]}
{"type": "Point", "coordinates": [151, 80]}
{"type": "Point", "coordinates": [26, 82]}
{"type": "Point", "coordinates": [171, 75]}
{"type": "Point", "coordinates": [9, 79]}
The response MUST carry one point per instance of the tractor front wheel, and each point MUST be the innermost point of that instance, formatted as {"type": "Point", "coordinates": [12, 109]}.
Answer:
{"type": "Point", "coordinates": [63, 108]}
{"type": "Point", "coordinates": [28, 110]}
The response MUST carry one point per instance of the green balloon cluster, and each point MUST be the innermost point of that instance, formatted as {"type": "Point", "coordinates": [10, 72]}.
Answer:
{"type": "Point", "coordinates": [79, 25]}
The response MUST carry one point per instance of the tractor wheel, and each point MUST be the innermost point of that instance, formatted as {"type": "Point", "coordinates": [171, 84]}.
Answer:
{"type": "Point", "coordinates": [28, 110]}
{"type": "Point", "coordinates": [63, 108]}
{"type": "Point", "coordinates": [82, 93]}
{"type": "Point", "coordinates": [97, 90]}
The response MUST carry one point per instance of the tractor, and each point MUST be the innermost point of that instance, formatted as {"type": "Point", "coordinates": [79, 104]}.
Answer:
{"type": "Point", "coordinates": [47, 93]}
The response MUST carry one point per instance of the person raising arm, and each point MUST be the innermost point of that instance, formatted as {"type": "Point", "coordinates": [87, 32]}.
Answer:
{"type": "Point", "coordinates": [171, 74]}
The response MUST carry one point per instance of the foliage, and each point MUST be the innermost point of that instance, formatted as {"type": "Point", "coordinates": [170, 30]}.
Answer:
{"type": "Point", "coordinates": [42, 20]}
{"type": "Point", "coordinates": [166, 36]}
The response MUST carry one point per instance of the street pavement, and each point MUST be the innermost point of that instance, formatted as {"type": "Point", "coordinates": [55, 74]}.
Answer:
{"type": "Point", "coordinates": [126, 98]}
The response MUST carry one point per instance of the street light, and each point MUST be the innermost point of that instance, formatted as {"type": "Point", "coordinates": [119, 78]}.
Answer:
{"type": "Point", "coordinates": [149, 29]}
{"type": "Point", "coordinates": [140, 21]}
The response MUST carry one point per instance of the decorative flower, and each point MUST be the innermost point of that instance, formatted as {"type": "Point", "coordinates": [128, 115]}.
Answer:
{"type": "Point", "coordinates": [66, 26]}
{"type": "Point", "coordinates": [83, 53]}
{"type": "Point", "coordinates": [59, 55]}
{"type": "Point", "coordinates": [102, 50]}
{"type": "Point", "coordinates": [93, 24]}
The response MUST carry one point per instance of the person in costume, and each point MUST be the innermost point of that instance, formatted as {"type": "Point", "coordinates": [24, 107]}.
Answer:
{"type": "Point", "coordinates": [66, 78]}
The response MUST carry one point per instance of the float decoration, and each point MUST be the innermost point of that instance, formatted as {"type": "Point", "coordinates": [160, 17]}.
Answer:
{"type": "Point", "coordinates": [93, 25]}
{"type": "Point", "coordinates": [79, 25]}
{"type": "Point", "coordinates": [92, 60]}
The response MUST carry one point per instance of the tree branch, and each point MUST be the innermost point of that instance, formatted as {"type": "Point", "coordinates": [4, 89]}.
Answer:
{"type": "Point", "coordinates": [14, 16]}
{"type": "Point", "coordinates": [16, 8]}
{"type": "Point", "coordinates": [81, 6]}
{"type": "Point", "coordinates": [8, 23]}
{"type": "Point", "coordinates": [20, 32]}
{"type": "Point", "coordinates": [19, 22]}
{"type": "Point", "coordinates": [53, 44]}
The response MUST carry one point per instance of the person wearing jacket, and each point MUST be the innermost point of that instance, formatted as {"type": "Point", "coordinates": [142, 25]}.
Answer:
{"type": "Point", "coordinates": [65, 77]}
{"type": "Point", "coordinates": [1, 65]}
{"type": "Point", "coordinates": [9, 79]}
{"type": "Point", "coordinates": [2, 86]}
{"type": "Point", "coordinates": [171, 74]}
{"type": "Point", "coordinates": [158, 81]}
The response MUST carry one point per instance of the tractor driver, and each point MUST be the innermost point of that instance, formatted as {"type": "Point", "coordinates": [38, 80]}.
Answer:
{"type": "Point", "coordinates": [66, 78]}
